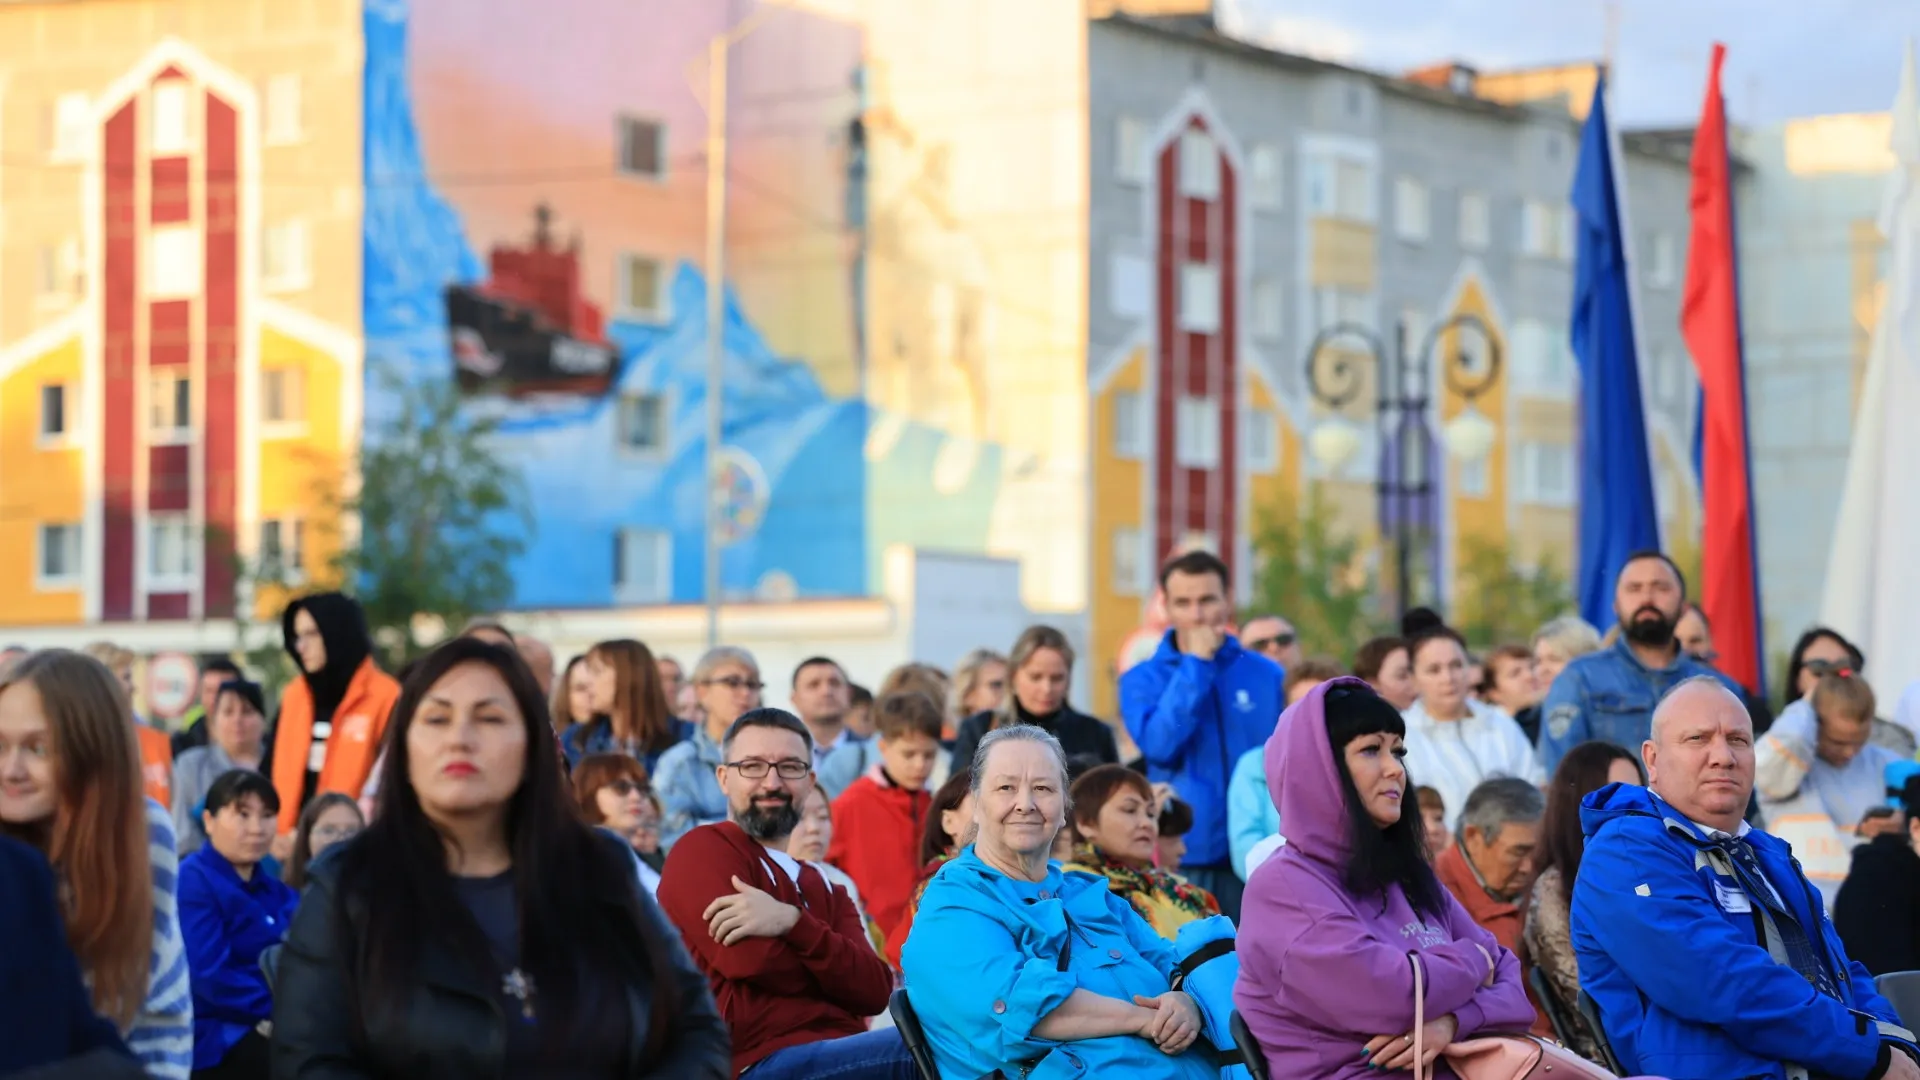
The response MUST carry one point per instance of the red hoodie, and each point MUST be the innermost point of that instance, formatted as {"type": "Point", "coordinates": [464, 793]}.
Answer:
{"type": "Point", "coordinates": [877, 827]}
{"type": "Point", "coordinates": [822, 980]}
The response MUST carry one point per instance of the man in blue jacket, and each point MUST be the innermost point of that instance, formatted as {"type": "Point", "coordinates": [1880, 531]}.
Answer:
{"type": "Point", "coordinates": [1198, 704]}
{"type": "Point", "coordinates": [1707, 951]}
{"type": "Point", "coordinates": [1609, 695]}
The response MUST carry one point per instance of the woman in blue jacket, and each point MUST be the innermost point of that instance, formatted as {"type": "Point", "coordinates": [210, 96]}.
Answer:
{"type": "Point", "coordinates": [230, 911]}
{"type": "Point", "coordinates": [1016, 967]}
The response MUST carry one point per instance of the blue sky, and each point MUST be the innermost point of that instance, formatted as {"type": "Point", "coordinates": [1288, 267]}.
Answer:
{"type": "Point", "coordinates": [1785, 58]}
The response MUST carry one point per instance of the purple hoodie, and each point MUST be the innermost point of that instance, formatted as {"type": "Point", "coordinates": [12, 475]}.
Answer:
{"type": "Point", "coordinates": [1323, 971]}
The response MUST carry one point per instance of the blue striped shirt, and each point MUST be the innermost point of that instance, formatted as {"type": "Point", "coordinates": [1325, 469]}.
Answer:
{"type": "Point", "coordinates": [162, 1035]}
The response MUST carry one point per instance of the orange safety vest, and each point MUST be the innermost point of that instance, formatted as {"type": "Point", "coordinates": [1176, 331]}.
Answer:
{"type": "Point", "coordinates": [156, 763]}
{"type": "Point", "coordinates": [359, 722]}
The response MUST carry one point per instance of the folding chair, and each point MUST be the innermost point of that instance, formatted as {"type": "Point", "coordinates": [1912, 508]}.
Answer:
{"type": "Point", "coordinates": [1254, 1058]}
{"type": "Point", "coordinates": [1550, 1001]}
{"type": "Point", "coordinates": [908, 1024]}
{"type": "Point", "coordinates": [1590, 1010]}
{"type": "Point", "coordinates": [1902, 989]}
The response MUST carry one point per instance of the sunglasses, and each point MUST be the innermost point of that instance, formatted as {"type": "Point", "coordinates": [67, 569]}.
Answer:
{"type": "Point", "coordinates": [624, 787]}
{"type": "Point", "coordinates": [1823, 668]}
{"type": "Point", "coordinates": [1277, 641]}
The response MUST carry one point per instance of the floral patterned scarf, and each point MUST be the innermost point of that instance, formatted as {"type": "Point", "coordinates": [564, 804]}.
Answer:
{"type": "Point", "coordinates": [1143, 887]}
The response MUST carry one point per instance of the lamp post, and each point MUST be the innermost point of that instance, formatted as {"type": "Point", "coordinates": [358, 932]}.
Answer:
{"type": "Point", "coordinates": [1401, 406]}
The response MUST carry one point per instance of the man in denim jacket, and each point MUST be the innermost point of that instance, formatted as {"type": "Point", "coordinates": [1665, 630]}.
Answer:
{"type": "Point", "coordinates": [1610, 695]}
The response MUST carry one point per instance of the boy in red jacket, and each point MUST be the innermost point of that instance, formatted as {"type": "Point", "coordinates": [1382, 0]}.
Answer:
{"type": "Point", "coordinates": [791, 968]}
{"type": "Point", "coordinates": [879, 820]}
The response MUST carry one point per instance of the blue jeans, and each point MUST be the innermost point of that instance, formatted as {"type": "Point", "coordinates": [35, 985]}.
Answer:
{"type": "Point", "coordinates": [871, 1055]}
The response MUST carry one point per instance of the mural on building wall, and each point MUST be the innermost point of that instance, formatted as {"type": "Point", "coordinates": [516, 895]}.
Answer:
{"type": "Point", "coordinates": [569, 302]}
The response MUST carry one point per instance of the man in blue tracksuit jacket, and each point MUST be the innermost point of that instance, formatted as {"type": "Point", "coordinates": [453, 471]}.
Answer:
{"type": "Point", "coordinates": [1198, 704]}
{"type": "Point", "coordinates": [1707, 951]}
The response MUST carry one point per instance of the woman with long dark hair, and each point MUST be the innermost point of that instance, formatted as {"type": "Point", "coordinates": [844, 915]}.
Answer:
{"type": "Point", "coordinates": [1586, 769]}
{"type": "Point", "coordinates": [327, 820]}
{"type": "Point", "coordinates": [631, 714]}
{"type": "Point", "coordinates": [1329, 920]}
{"type": "Point", "coordinates": [1821, 652]}
{"type": "Point", "coordinates": [478, 927]}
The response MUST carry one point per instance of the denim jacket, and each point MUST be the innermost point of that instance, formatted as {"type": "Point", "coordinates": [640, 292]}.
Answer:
{"type": "Point", "coordinates": [1609, 695]}
{"type": "Point", "coordinates": [689, 786]}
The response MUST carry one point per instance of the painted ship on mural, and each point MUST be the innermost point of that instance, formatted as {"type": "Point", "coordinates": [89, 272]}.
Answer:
{"type": "Point", "coordinates": [527, 331]}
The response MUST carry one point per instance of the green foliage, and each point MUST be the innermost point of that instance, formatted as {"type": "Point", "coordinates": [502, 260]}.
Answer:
{"type": "Point", "coordinates": [1497, 601]}
{"type": "Point", "coordinates": [432, 497]}
{"type": "Point", "coordinates": [1317, 576]}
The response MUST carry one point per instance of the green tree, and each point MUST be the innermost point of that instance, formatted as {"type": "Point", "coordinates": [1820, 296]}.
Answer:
{"type": "Point", "coordinates": [1317, 575]}
{"type": "Point", "coordinates": [1498, 600]}
{"type": "Point", "coordinates": [437, 520]}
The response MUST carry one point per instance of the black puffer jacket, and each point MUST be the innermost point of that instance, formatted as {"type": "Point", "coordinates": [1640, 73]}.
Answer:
{"type": "Point", "coordinates": [1878, 910]}
{"type": "Point", "coordinates": [1087, 741]}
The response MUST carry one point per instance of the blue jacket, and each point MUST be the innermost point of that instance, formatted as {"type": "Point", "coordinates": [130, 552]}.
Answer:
{"type": "Point", "coordinates": [688, 787]}
{"type": "Point", "coordinates": [1671, 953]}
{"type": "Point", "coordinates": [1251, 815]}
{"type": "Point", "coordinates": [1609, 695]}
{"type": "Point", "coordinates": [1193, 719]}
{"type": "Point", "coordinates": [46, 1014]}
{"type": "Point", "coordinates": [982, 968]}
{"type": "Point", "coordinates": [227, 923]}
{"type": "Point", "coordinates": [596, 737]}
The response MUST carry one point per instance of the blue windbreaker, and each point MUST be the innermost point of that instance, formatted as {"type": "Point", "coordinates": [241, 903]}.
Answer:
{"type": "Point", "coordinates": [1192, 720]}
{"type": "Point", "coordinates": [1672, 954]}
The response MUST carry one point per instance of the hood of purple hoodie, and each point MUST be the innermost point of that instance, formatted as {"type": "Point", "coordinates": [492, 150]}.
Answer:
{"type": "Point", "coordinates": [1305, 782]}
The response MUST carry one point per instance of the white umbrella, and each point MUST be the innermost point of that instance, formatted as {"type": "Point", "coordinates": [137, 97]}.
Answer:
{"type": "Point", "coordinates": [1873, 577]}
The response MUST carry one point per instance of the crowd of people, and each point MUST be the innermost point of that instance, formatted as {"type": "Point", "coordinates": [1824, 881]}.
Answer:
{"type": "Point", "coordinates": [488, 864]}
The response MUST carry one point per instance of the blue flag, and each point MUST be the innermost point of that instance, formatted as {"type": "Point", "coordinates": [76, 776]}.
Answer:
{"type": "Point", "coordinates": [1616, 480]}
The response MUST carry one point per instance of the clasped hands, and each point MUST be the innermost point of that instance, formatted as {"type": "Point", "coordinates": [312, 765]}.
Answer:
{"type": "Point", "coordinates": [1394, 1053]}
{"type": "Point", "coordinates": [1172, 1022]}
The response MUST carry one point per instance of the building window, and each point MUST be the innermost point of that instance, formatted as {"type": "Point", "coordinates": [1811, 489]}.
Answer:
{"type": "Point", "coordinates": [1129, 284]}
{"type": "Point", "coordinates": [1415, 324]}
{"type": "Point", "coordinates": [1267, 184]}
{"type": "Point", "coordinates": [169, 549]}
{"type": "Point", "coordinates": [642, 566]}
{"type": "Point", "coordinates": [59, 276]}
{"type": "Point", "coordinates": [58, 561]}
{"type": "Point", "coordinates": [283, 549]}
{"type": "Point", "coordinates": [642, 423]}
{"type": "Point", "coordinates": [169, 404]}
{"type": "Point", "coordinates": [642, 288]}
{"type": "Point", "coordinates": [1338, 306]}
{"type": "Point", "coordinates": [1353, 190]}
{"type": "Point", "coordinates": [1199, 165]}
{"type": "Point", "coordinates": [286, 263]}
{"type": "Point", "coordinates": [283, 395]}
{"type": "Point", "coordinates": [1129, 560]}
{"type": "Point", "coordinates": [1410, 209]}
{"type": "Point", "coordinates": [172, 130]}
{"type": "Point", "coordinates": [1545, 231]}
{"type": "Point", "coordinates": [1196, 432]}
{"type": "Point", "coordinates": [1130, 165]}
{"type": "Point", "coordinates": [1473, 479]}
{"type": "Point", "coordinates": [1200, 298]}
{"type": "Point", "coordinates": [643, 148]}
{"type": "Point", "coordinates": [1546, 473]}
{"type": "Point", "coordinates": [283, 108]}
{"type": "Point", "coordinates": [1262, 441]}
{"type": "Point", "coordinates": [1129, 425]}
{"type": "Point", "coordinates": [1662, 266]}
{"type": "Point", "coordinates": [72, 127]}
{"type": "Point", "coordinates": [1269, 309]}
{"type": "Point", "coordinates": [53, 411]}
{"type": "Point", "coordinates": [1476, 228]}
{"type": "Point", "coordinates": [173, 263]}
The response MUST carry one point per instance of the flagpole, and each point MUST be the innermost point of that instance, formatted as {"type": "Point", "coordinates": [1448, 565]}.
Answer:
{"type": "Point", "coordinates": [1616, 162]}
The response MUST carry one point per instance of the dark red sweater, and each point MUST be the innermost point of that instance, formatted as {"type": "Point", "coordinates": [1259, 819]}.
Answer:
{"type": "Point", "coordinates": [821, 981]}
{"type": "Point", "coordinates": [877, 827]}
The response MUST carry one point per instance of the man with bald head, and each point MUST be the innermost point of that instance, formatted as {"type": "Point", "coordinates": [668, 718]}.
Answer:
{"type": "Point", "coordinates": [1707, 952]}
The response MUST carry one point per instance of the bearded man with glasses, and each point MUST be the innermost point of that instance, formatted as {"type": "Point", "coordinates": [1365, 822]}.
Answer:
{"type": "Point", "coordinates": [784, 950]}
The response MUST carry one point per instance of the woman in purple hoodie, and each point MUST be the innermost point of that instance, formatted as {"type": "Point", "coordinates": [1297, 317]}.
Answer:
{"type": "Point", "coordinates": [1325, 982]}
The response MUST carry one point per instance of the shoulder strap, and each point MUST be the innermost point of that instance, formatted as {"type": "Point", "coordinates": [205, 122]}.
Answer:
{"type": "Point", "coordinates": [1420, 1071]}
{"type": "Point", "coordinates": [1211, 951]}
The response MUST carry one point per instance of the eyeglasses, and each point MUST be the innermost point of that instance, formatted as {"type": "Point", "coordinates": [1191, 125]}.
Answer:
{"type": "Point", "coordinates": [1277, 641]}
{"type": "Point", "coordinates": [624, 787]}
{"type": "Point", "coordinates": [333, 834]}
{"type": "Point", "coordinates": [757, 770]}
{"type": "Point", "coordinates": [735, 682]}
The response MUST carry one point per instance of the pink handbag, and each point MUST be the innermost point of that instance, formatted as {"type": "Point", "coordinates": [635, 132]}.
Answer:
{"type": "Point", "coordinates": [1496, 1057]}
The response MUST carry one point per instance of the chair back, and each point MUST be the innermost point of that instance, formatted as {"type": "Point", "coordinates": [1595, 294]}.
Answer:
{"type": "Point", "coordinates": [1902, 990]}
{"type": "Point", "coordinates": [1590, 1010]}
{"type": "Point", "coordinates": [1251, 1056]}
{"type": "Point", "coordinates": [1550, 1001]}
{"type": "Point", "coordinates": [908, 1023]}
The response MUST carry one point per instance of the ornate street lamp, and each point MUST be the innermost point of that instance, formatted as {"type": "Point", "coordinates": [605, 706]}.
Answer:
{"type": "Point", "coordinates": [1401, 406]}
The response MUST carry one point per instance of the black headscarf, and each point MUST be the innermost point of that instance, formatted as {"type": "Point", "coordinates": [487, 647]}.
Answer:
{"type": "Point", "coordinates": [343, 626]}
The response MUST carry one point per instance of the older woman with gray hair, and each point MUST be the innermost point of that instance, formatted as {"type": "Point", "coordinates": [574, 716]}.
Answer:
{"type": "Point", "coordinates": [1018, 968]}
{"type": "Point", "coordinates": [726, 682]}
{"type": "Point", "coordinates": [1040, 669]}
{"type": "Point", "coordinates": [1560, 642]}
